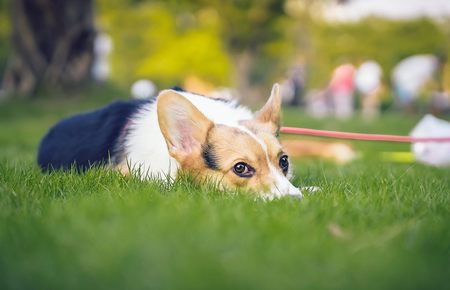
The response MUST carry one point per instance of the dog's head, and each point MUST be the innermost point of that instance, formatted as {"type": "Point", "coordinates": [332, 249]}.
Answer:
{"type": "Point", "coordinates": [247, 156]}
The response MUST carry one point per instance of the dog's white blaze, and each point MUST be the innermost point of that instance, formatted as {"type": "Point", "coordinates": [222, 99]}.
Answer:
{"type": "Point", "coordinates": [282, 186]}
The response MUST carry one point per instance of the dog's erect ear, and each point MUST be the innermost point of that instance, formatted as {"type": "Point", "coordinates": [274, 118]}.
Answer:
{"type": "Point", "coordinates": [271, 111]}
{"type": "Point", "coordinates": [183, 126]}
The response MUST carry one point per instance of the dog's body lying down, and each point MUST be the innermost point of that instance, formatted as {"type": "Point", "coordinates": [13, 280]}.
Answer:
{"type": "Point", "coordinates": [210, 138]}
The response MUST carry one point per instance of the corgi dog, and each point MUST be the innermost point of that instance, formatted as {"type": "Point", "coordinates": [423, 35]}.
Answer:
{"type": "Point", "coordinates": [178, 131]}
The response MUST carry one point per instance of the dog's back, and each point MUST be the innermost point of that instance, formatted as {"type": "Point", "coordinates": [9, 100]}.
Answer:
{"type": "Point", "coordinates": [86, 139]}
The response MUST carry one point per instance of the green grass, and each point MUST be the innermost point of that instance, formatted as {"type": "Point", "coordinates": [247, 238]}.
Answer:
{"type": "Point", "coordinates": [374, 225]}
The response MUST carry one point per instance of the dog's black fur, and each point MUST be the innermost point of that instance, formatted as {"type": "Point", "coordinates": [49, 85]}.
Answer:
{"type": "Point", "coordinates": [87, 139]}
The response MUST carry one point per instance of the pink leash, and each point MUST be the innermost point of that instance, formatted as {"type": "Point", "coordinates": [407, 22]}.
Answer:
{"type": "Point", "coordinates": [360, 136]}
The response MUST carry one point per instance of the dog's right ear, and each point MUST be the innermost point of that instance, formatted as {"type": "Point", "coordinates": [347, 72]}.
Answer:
{"type": "Point", "coordinates": [270, 113]}
{"type": "Point", "coordinates": [183, 126]}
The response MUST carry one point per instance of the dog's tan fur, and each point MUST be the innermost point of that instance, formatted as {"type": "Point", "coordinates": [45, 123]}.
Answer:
{"type": "Point", "coordinates": [187, 131]}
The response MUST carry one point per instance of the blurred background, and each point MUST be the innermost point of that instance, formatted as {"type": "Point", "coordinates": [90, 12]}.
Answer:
{"type": "Point", "coordinates": [380, 221]}
{"type": "Point", "coordinates": [331, 57]}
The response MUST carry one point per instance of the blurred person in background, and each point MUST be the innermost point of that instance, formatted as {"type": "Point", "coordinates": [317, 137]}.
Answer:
{"type": "Point", "coordinates": [368, 84]}
{"type": "Point", "coordinates": [294, 84]}
{"type": "Point", "coordinates": [341, 89]}
{"type": "Point", "coordinates": [440, 99]}
{"type": "Point", "coordinates": [440, 102]}
{"type": "Point", "coordinates": [317, 103]}
{"type": "Point", "coordinates": [410, 76]}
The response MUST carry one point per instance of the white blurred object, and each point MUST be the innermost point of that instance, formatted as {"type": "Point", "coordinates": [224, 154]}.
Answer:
{"type": "Point", "coordinates": [368, 77]}
{"type": "Point", "coordinates": [432, 153]}
{"type": "Point", "coordinates": [143, 89]}
{"type": "Point", "coordinates": [356, 10]}
{"type": "Point", "coordinates": [368, 83]}
{"type": "Point", "coordinates": [412, 73]}
{"type": "Point", "coordinates": [102, 49]}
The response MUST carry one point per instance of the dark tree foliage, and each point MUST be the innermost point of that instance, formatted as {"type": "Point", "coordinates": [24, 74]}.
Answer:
{"type": "Point", "coordinates": [52, 44]}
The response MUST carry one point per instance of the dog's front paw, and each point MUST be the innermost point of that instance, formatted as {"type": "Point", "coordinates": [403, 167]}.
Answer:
{"type": "Point", "coordinates": [272, 196]}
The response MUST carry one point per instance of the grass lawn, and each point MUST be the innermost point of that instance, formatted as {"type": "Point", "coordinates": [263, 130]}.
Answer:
{"type": "Point", "coordinates": [375, 224]}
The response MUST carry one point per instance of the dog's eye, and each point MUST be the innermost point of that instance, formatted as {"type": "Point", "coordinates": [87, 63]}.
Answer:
{"type": "Point", "coordinates": [242, 169]}
{"type": "Point", "coordinates": [284, 163]}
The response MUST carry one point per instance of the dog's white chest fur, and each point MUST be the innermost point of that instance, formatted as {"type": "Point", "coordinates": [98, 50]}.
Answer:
{"type": "Point", "coordinates": [145, 147]}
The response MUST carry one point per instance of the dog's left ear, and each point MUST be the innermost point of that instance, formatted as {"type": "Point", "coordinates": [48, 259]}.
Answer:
{"type": "Point", "coordinates": [183, 126]}
{"type": "Point", "coordinates": [270, 113]}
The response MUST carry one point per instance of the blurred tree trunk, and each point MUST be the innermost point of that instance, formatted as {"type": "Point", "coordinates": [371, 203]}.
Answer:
{"type": "Point", "coordinates": [243, 63]}
{"type": "Point", "coordinates": [52, 45]}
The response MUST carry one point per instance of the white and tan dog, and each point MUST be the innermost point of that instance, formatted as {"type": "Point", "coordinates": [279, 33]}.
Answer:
{"type": "Point", "coordinates": [179, 131]}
